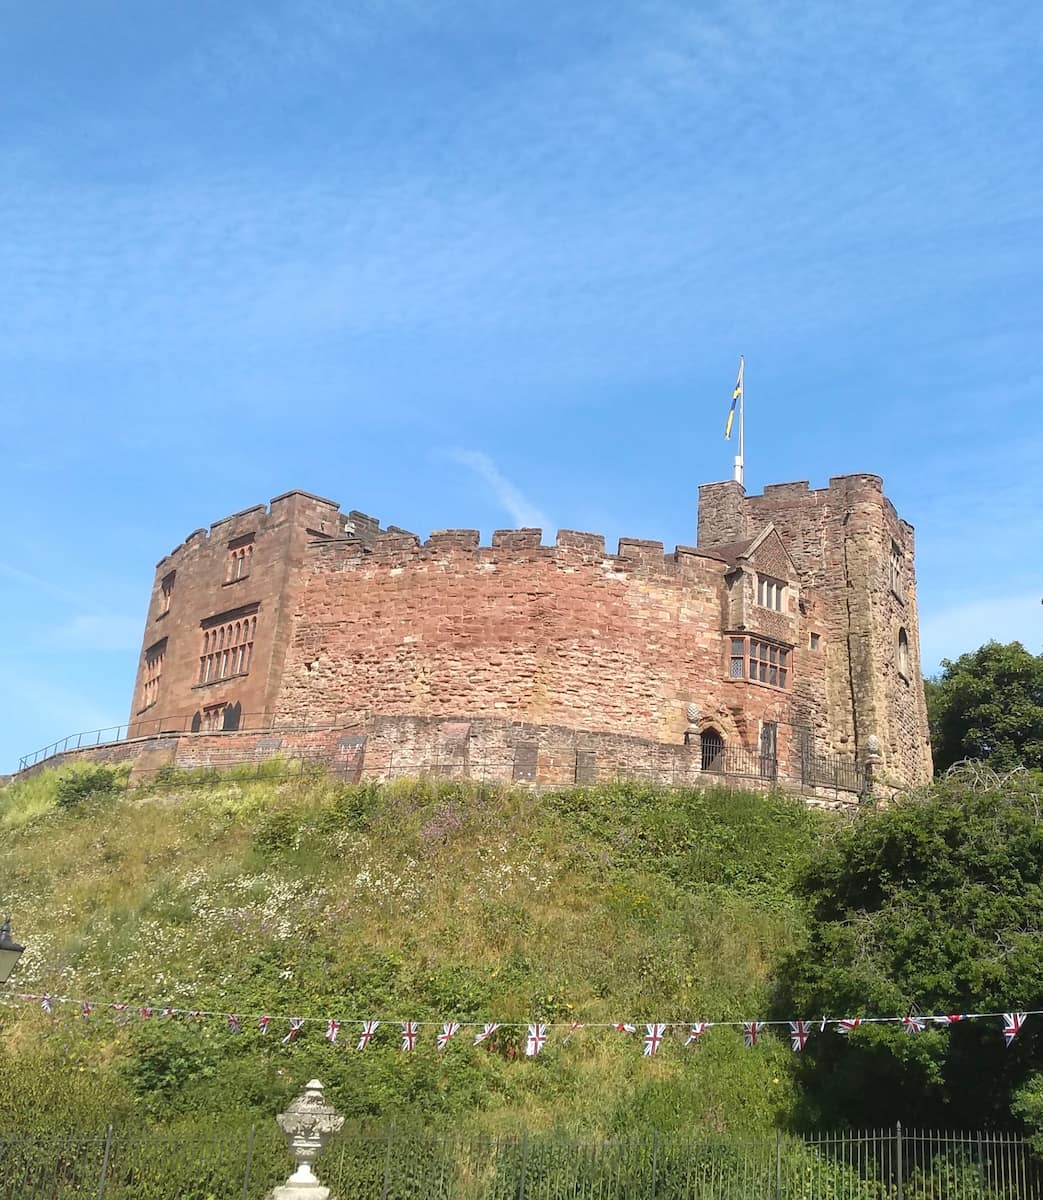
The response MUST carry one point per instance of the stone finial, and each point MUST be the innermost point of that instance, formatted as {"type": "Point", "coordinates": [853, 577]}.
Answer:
{"type": "Point", "coordinates": [872, 746]}
{"type": "Point", "coordinates": [692, 713]}
{"type": "Point", "coordinates": [307, 1126]}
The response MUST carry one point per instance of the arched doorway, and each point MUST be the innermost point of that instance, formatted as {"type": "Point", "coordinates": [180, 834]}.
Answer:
{"type": "Point", "coordinates": [712, 750]}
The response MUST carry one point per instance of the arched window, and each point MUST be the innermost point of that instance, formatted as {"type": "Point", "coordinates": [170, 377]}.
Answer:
{"type": "Point", "coordinates": [712, 750]}
{"type": "Point", "coordinates": [903, 653]}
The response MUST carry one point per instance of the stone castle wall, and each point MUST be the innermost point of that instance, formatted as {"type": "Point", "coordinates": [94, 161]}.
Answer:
{"type": "Point", "coordinates": [552, 635]}
{"type": "Point", "coordinates": [349, 624]}
{"type": "Point", "coordinates": [475, 749]}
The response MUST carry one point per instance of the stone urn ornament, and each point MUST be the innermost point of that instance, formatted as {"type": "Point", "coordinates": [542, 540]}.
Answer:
{"type": "Point", "coordinates": [307, 1125]}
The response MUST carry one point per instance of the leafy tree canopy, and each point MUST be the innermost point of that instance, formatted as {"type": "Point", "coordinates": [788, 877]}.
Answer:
{"type": "Point", "coordinates": [933, 905]}
{"type": "Point", "coordinates": [988, 705]}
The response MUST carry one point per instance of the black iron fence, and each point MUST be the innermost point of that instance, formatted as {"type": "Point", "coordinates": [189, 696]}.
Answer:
{"type": "Point", "coordinates": [832, 771]}
{"type": "Point", "coordinates": [740, 761]}
{"type": "Point", "coordinates": [889, 1164]}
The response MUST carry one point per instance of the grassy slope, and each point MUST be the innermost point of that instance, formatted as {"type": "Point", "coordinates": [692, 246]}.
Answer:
{"type": "Point", "coordinates": [407, 901]}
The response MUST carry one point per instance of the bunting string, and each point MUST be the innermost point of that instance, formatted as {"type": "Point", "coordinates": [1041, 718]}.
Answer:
{"type": "Point", "coordinates": [536, 1034]}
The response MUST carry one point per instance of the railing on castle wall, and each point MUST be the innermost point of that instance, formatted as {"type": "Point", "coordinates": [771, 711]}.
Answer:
{"type": "Point", "coordinates": [799, 765]}
{"type": "Point", "coordinates": [245, 722]}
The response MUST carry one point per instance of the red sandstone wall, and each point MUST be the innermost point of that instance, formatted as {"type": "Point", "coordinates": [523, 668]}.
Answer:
{"type": "Point", "coordinates": [563, 635]}
{"type": "Point", "coordinates": [201, 590]}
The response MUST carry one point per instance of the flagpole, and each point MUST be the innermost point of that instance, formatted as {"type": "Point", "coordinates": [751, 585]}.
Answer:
{"type": "Point", "coordinates": [740, 458]}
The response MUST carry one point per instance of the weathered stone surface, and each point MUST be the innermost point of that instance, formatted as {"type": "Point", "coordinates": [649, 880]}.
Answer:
{"type": "Point", "coordinates": [362, 631]}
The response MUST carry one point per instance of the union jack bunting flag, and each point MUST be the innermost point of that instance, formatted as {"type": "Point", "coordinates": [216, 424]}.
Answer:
{"type": "Point", "coordinates": [848, 1024]}
{"type": "Point", "coordinates": [410, 1033]}
{"type": "Point", "coordinates": [369, 1028]}
{"type": "Point", "coordinates": [913, 1024]}
{"type": "Point", "coordinates": [145, 1011]}
{"type": "Point", "coordinates": [193, 1013]}
{"type": "Point", "coordinates": [1012, 1023]}
{"type": "Point", "coordinates": [485, 1032]}
{"type": "Point", "coordinates": [332, 1029]}
{"type": "Point", "coordinates": [653, 1037]}
{"type": "Point", "coordinates": [750, 1032]}
{"type": "Point", "coordinates": [696, 1031]}
{"type": "Point", "coordinates": [296, 1025]}
{"type": "Point", "coordinates": [798, 1035]}
{"type": "Point", "coordinates": [626, 1029]}
{"type": "Point", "coordinates": [949, 1019]}
{"type": "Point", "coordinates": [449, 1030]}
{"type": "Point", "coordinates": [45, 1003]}
{"type": "Point", "coordinates": [118, 1008]}
{"type": "Point", "coordinates": [263, 1023]}
{"type": "Point", "coordinates": [235, 1025]}
{"type": "Point", "coordinates": [534, 1042]}
{"type": "Point", "coordinates": [574, 1027]}
{"type": "Point", "coordinates": [167, 1012]}
{"type": "Point", "coordinates": [85, 1010]}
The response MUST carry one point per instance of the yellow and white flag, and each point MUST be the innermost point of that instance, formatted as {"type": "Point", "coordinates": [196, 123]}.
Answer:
{"type": "Point", "coordinates": [736, 397]}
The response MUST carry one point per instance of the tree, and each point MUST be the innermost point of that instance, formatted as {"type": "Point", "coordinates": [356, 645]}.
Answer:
{"type": "Point", "coordinates": [988, 704]}
{"type": "Point", "coordinates": [932, 905]}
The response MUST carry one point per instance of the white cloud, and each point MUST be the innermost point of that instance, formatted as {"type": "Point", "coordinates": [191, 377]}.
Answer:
{"type": "Point", "coordinates": [953, 631]}
{"type": "Point", "coordinates": [522, 510]}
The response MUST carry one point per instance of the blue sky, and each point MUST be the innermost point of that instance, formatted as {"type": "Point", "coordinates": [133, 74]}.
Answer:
{"type": "Point", "coordinates": [481, 264]}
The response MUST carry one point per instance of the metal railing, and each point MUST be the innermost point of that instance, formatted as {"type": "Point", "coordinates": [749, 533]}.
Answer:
{"type": "Point", "coordinates": [832, 771]}
{"type": "Point", "coordinates": [403, 1164]}
{"type": "Point", "coordinates": [742, 762]}
{"type": "Point", "coordinates": [160, 726]}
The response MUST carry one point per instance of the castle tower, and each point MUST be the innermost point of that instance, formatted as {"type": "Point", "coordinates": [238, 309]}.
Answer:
{"type": "Point", "coordinates": [860, 639]}
{"type": "Point", "coordinates": [218, 621]}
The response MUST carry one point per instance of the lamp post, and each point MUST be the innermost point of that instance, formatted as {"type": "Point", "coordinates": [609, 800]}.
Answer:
{"type": "Point", "coordinates": [10, 951]}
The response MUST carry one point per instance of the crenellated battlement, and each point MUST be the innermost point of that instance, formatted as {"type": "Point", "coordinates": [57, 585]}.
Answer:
{"type": "Point", "coordinates": [571, 548]}
{"type": "Point", "coordinates": [261, 518]}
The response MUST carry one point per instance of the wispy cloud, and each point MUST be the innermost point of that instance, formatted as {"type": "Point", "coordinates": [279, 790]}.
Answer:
{"type": "Point", "coordinates": [35, 583]}
{"type": "Point", "coordinates": [522, 510]}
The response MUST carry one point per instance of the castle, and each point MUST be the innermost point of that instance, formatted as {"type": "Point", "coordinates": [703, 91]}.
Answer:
{"type": "Point", "coordinates": [783, 646]}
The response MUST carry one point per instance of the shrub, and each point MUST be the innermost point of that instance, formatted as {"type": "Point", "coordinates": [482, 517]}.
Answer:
{"type": "Point", "coordinates": [93, 780]}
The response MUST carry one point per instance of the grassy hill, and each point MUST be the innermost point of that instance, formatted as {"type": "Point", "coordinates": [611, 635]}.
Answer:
{"type": "Point", "coordinates": [414, 900]}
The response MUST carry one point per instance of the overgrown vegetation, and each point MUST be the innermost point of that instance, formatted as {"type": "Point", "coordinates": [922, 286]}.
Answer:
{"type": "Point", "coordinates": [433, 901]}
{"type": "Point", "coordinates": [933, 905]}
{"type": "Point", "coordinates": [415, 900]}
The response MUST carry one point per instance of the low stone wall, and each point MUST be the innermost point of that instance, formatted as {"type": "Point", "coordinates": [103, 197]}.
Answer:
{"type": "Point", "coordinates": [394, 747]}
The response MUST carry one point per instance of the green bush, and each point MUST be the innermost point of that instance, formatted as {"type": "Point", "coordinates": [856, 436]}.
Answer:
{"type": "Point", "coordinates": [96, 779]}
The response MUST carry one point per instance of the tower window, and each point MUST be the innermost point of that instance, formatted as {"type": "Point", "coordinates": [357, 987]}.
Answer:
{"type": "Point", "coordinates": [240, 555]}
{"type": "Point", "coordinates": [897, 571]}
{"type": "Point", "coordinates": [814, 640]}
{"type": "Point", "coordinates": [769, 592]}
{"type": "Point", "coordinates": [227, 646]}
{"type": "Point", "coordinates": [903, 654]}
{"type": "Point", "coordinates": [154, 656]}
{"type": "Point", "coordinates": [166, 591]}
